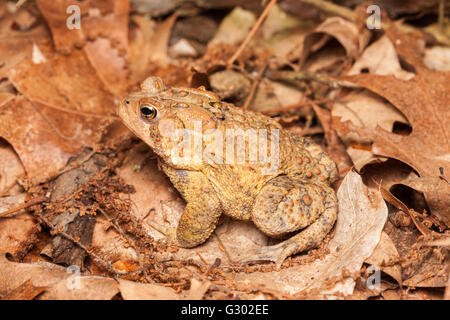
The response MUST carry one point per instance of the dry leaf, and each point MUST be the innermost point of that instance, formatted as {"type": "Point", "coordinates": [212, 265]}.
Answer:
{"type": "Point", "coordinates": [380, 58]}
{"type": "Point", "coordinates": [16, 230]}
{"type": "Point", "coordinates": [70, 109]}
{"type": "Point", "coordinates": [347, 33]}
{"type": "Point", "coordinates": [109, 65]}
{"type": "Point", "coordinates": [160, 41]}
{"type": "Point", "coordinates": [367, 110]}
{"type": "Point", "coordinates": [197, 290]}
{"type": "Point", "coordinates": [16, 45]}
{"type": "Point", "coordinates": [42, 150]}
{"type": "Point", "coordinates": [61, 283]}
{"type": "Point", "coordinates": [361, 218]}
{"type": "Point", "coordinates": [145, 291]}
{"type": "Point", "coordinates": [424, 102]}
{"type": "Point", "coordinates": [11, 169]}
{"type": "Point", "coordinates": [386, 253]}
{"type": "Point", "coordinates": [234, 27]}
{"type": "Point", "coordinates": [26, 291]}
{"type": "Point", "coordinates": [437, 58]}
{"type": "Point", "coordinates": [108, 19]}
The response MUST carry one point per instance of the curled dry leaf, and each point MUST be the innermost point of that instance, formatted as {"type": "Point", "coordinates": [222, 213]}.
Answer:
{"type": "Point", "coordinates": [424, 101]}
{"type": "Point", "coordinates": [347, 33]}
{"type": "Point", "coordinates": [367, 110]}
{"type": "Point", "coordinates": [361, 218]}
{"type": "Point", "coordinates": [380, 58]}
{"type": "Point", "coordinates": [60, 282]}
{"type": "Point", "coordinates": [272, 95]}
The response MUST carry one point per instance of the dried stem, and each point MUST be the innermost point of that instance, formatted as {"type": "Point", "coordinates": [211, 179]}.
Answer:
{"type": "Point", "coordinates": [28, 204]}
{"type": "Point", "coordinates": [254, 86]}
{"type": "Point", "coordinates": [251, 33]}
{"type": "Point", "coordinates": [332, 8]}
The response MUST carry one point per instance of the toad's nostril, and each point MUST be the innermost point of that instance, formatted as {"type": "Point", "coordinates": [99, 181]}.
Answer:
{"type": "Point", "coordinates": [127, 101]}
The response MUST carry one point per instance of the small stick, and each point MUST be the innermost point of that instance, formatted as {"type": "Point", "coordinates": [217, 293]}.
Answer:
{"type": "Point", "coordinates": [27, 204]}
{"type": "Point", "coordinates": [222, 247]}
{"type": "Point", "coordinates": [332, 8]}
{"type": "Point", "coordinates": [442, 16]}
{"type": "Point", "coordinates": [251, 33]}
{"type": "Point", "coordinates": [254, 86]}
{"type": "Point", "coordinates": [305, 75]}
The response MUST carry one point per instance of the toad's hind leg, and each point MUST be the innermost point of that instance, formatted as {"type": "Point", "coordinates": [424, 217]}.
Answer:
{"type": "Point", "coordinates": [283, 207]}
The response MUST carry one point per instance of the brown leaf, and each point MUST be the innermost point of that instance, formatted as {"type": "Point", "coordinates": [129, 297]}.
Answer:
{"type": "Point", "coordinates": [145, 291]}
{"type": "Point", "coordinates": [160, 41]}
{"type": "Point", "coordinates": [26, 291]}
{"type": "Point", "coordinates": [71, 107]}
{"type": "Point", "coordinates": [345, 32]}
{"type": "Point", "coordinates": [16, 45]}
{"type": "Point", "coordinates": [109, 65]}
{"type": "Point", "coordinates": [42, 150]}
{"type": "Point", "coordinates": [61, 283]}
{"type": "Point", "coordinates": [108, 19]}
{"type": "Point", "coordinates": [140, 46]}
{"type": "Point", "coordinates": [386, 253]}
{"type": "Point", "coordinates": [361, 218]}
{"type": "Point", "coordinates": [66, 83]}
{"type": "Point", "coordinates": [424, 101]}
{"type": "Point", "coordinates": [15, 231]}
{"type": "Point", "coordinates": [11, 169]}
{"type": "Point", "coordinates": [380, 58]}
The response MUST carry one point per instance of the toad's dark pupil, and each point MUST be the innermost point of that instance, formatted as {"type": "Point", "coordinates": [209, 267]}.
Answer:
{"type": "Point", "coordinates": [146, 111]}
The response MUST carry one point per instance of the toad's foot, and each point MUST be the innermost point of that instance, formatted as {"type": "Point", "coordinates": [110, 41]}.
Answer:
{"type": "Point", "coordinates": [276, 253]}
{"type": "Point", "coordinates": [169, 232]}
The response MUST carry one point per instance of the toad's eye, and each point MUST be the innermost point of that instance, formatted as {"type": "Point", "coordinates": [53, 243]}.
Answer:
{"type": "Point", "coordinates": [148, 111]}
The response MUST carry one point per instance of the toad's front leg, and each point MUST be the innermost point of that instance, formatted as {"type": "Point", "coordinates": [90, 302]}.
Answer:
{"type": "Point", "coordinates": [202, 211]}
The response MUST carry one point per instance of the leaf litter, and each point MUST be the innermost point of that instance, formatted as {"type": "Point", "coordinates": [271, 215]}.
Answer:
{"type": "Point", "coordinates": [76, 188]}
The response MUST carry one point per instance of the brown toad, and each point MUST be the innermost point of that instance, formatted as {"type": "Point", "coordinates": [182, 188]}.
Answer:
{"type": "Point", "coordinates": [223, 159]}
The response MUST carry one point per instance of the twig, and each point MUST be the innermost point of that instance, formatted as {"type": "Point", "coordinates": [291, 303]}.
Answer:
{"type": "Point", "coordinates": [28, 204]}
{"type": "Point", "coordinates": [254, 86]}
{"type": "Point", "coordinates": [442, 16]}
{"type": "Point", "coordinates": [303, 76]}
{"type": "Point", "coordinates": [287, 108]}
{"type": "Point", "coordinates": [332, 8]}
{"type": "Point", "coordinates": [222, 247]}
{"type": "Point", "coordinates": [251, 33]}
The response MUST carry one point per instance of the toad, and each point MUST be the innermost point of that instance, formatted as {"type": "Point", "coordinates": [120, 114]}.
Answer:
{"type": "Point", "coordinates": [226, 160]}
